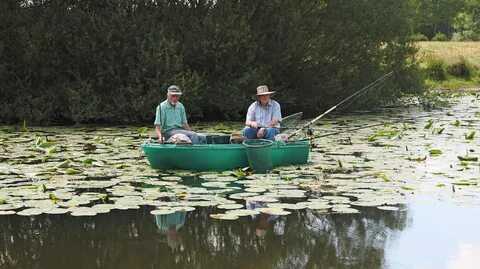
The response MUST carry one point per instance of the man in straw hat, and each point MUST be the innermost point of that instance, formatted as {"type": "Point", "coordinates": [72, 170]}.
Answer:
{"type": "Point", "coordinates": [263, 116]}
{"type": "Point", "coordinates": [171, 119]}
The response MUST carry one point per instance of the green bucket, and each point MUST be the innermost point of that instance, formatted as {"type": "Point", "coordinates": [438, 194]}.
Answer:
{"type": "Point", "coordinates": [259, 153]}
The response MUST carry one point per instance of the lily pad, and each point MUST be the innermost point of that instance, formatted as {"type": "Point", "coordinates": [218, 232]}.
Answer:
{"type": "Point", "coordinates": [223, 216]}
{"type": "Point", "coordinates": [230, 206]}
{"type": "Point", "coordinates": [274, 211]}
{"type": "Point", "coordinates": [30, 212]}
{"type": "Point", "coordinates": [162, 211]}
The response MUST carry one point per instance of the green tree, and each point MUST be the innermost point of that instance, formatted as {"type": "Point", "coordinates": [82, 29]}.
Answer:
{"type": "Point", "coordinates": [435, 16]}
{"type": "Point", "coordinates": [467, 22]}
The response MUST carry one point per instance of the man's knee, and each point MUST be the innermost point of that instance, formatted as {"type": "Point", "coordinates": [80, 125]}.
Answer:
{"type": "Point", "coordinates": [250, 133]}
{"type": "Point", "coordinates": [271, 133]}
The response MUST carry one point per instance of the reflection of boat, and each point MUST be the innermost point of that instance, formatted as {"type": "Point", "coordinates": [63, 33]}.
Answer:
{"type": "Point", "coordinates": [219, 156]}
{"type": "Point", "coordinates": [168, 222]}
{"type": "Point", "coordinates": [169, 226]}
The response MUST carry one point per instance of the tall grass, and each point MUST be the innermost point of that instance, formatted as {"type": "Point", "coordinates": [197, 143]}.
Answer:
{"type": "Point", "coordinates": [450, 52]}
{"type": "Point", "coordinates": [450, 65]}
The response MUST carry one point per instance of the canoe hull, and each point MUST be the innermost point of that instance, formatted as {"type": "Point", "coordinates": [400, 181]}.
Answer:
{"type": "Point", "coordinates": [219, 157]}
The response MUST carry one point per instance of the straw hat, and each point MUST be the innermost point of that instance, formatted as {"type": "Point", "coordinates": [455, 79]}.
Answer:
{"type": "Point", "coordinates": [263, 90]}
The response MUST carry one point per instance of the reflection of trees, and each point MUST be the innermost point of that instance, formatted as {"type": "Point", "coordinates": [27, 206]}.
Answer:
{"type": "Point", "coordinates": [132, 240]}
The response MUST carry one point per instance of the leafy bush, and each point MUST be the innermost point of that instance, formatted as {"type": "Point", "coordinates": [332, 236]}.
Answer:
{"type": "Point", "coordinates": [435, 69]}
{"type": "Point", "coordinates": [419, 37]}
{"type": "Point", "coordinates": [466, 24]}
{"type": "Point", "coordinates": [460, 69]}
{"type": "Point", "coordinates": [89, 61]}
{"type": "Point", "coordinates": [440, 37]}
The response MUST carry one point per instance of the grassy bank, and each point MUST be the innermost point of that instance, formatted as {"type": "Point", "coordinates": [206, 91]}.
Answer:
{"type": "Point", "coordinates": [450, 65]}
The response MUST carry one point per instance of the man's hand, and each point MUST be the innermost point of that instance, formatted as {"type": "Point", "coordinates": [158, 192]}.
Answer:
{"type": "Point", "coordinates": [253, 124]}
{"type": "Point", "coordinates": [273, 123]}
{"type": "Point", "coordinates": [261, 133]}
{"type": "Point", "coordinates": [187, 127]}
{"type": "Point", "coordinates": [159, 134]}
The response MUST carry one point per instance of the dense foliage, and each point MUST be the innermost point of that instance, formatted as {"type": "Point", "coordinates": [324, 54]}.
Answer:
{"type": "Point", "coordinates": [440, 20]}
{"type": "Point", "coordinates": [77, 61]}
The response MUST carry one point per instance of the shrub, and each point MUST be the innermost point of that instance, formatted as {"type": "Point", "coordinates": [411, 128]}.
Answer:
{"type": "Point", "coordinates": [90, 61]}
{"type": "Point", "coordinates": [419, 37]}
{"type": "Point", "coordinates": [440, 37]}
{"type": "Point", "coordinates": [435, 69]}
{"type": "Point", "coordinates": [460, 69]}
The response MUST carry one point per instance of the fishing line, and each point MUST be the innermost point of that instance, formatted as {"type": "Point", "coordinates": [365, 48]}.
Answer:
{"type": "Point", "coordinates": [363, 90]}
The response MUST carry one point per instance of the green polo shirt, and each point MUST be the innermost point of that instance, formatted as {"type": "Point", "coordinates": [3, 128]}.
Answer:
{"type": "Point", "coordinates": [169, 117]}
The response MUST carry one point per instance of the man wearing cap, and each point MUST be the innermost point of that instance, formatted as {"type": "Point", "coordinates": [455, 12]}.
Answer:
{"type": "Point", "coordinates": [263, 116]}
{"type": "Point", "coordinates": [171, 119]}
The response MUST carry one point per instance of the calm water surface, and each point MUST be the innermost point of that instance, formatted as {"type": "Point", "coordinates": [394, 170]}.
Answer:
{"type": "Point", "coordinates": [428, 234]}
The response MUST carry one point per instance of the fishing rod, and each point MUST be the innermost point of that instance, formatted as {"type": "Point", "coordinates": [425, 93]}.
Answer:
{"type": "Point", "coordinates": [363, 127]}
{"type": "Point", "coordinates": [357, 93]}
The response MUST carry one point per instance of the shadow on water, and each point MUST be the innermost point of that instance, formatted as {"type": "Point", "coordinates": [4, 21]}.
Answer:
{"type": "Point", "coordinates": [136, 239]}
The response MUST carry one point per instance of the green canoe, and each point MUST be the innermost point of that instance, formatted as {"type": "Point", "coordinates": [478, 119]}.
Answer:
{"type": "Point", "coordinates": [219, 156]}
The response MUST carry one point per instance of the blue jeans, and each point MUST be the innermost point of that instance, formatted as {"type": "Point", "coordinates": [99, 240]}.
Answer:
{"type": "Point", "coordinates": [194, 137]}
{"type": "Point", "coordinates": [251, 133]}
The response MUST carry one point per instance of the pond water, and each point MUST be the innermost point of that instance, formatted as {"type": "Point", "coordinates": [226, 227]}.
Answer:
{"type": "Point", "coordinates": [427, 235]}
{"type": "Point", "coordinates": [399, 195]}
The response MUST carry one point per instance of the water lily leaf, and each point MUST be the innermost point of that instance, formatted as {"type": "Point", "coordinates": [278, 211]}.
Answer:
{"type": "Point", "coordinates": [345, 210]}
{"type": "Point", "coordinates": [223, 216]}
{"type": "Point", "coordinates": [318, 206]}
{"type": "Point", "coordinates": [214, 184]}
{"type": "Point", "coordinates": [438, 131]}
{"type": "Point", "coordinates": [468, 158]}
{"type": "Point", "coordinates": [274, 211]}
{"type": "Point", "coordinates": [230, 206]}
{"type": "Point", "coordinates": [242, 212]}
{"type": "Point", "coordinates": [64, 164]}
{"type": "Point", "coordinates": [184, 208]}
{"type": "Point", "coordinates": [30, 212]}
{"type": "Point", "coordinates": [261, 198]}
{"type": "Point", "coordinates": [389, 208]}
{"type": "Point", "coordinates": [72, 171]}
{"type": "Point", "coordinates": [171, 178]}
{"type": "Point", "coordinates": [465, 182]}
{"type": "Point", "coordinates": [429, 124]}
{"type": "Point", "coordinates": [57, 211]}
{"type": "Point", "coordinates": [470, 135]}
{"type": "Point", "coordinates": [287, 206]}
{"type": "Point", "coordinates": [417, 159]}
{"type": "Point", "coordinates": [255, 189]}
{"type": "Point", "coordinates": [82, 212]}
{"type": "Point", "coordinates": [9, 212]}
{"type": "Point", "coordinates": [435, 152]}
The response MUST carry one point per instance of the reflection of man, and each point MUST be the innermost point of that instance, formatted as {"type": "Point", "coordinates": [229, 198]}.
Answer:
{"type": "Point", "coordinates": [169, 225]}
{"type": "Point", "coordinates": [264, 221]}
